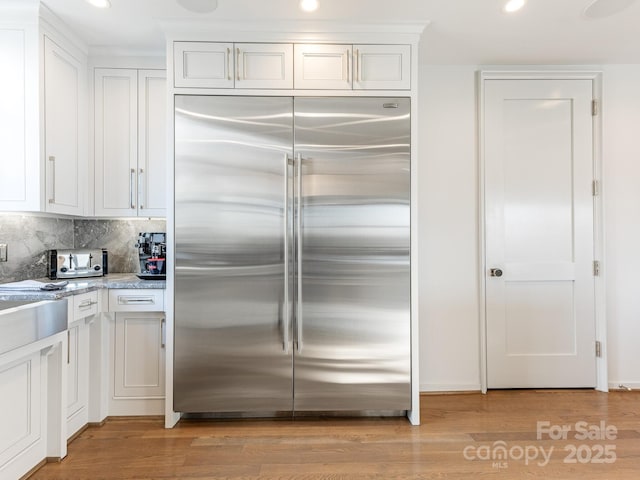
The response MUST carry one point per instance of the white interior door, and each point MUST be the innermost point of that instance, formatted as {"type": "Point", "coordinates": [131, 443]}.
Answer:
{"type": "Point", "coordinates": [539, 234]}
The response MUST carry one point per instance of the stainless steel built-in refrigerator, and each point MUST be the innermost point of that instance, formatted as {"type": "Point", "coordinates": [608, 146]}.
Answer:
{"type": "Point", "coordinates": [292, 254]}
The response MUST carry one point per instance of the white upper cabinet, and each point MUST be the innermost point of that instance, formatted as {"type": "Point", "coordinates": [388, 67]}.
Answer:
{"type": "Point", "coordinates": [361, 67]}
{"type": "Point", "coordinates": [152, 142]}
{"type": "Point", "coordinates": [130, 142]}
{"type": "Point", "coordinates": [64, 134]}
{"type": "Point", "coordinates": [116, 141]}
{"type": "Point", "coordinates": [382, 67]}
{"type": "Point", "coordinates": [229, 65]}
{"type": "Point", "coordinates": [43, 121]}
{"type": "Point", "coordinates": [19, 122]}
{"type": "Point", "coordinates": [289, 66]}
{"type": "Point", "coordinates": [324, 67]}
{"type": "Point", "coordinates": [264, 65]}
{"type": "Point", "coordinates": [203, 64]}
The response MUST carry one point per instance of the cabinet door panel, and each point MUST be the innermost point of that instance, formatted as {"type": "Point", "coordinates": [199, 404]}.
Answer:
{"type": "Point", "coordinates": [152, 142]}
{"type": "Point", "coordinates": [116, 142]}
{"type": "Point", "coordinates": [139, 355]}
{"type": "Point", "coordinates": [20, 408]}
{"type": "Point", "coordinates": [19, 120]}
{"type": "Point", "coordinates": [326, 67]}
{"type": "Point", "coordinates": [77, 377]}
{"type": "Point", "coordinates": [382, 67]}
{"type": "Point", "coordinates": [262, 65]}
{"type": "Point", "coordinates": [203, 64]}
{"type": "Point", "coordinates": [62, 113]}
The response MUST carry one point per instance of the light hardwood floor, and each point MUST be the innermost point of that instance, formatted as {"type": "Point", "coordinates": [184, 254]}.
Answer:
{"type": "Point", "coordinates": [456, 435]}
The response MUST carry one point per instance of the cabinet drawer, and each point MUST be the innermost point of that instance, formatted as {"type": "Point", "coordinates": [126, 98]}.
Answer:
{"type": "Point", "coordinates": [136, 300]}
{"type": "Point", "coordinates": [85, 305]}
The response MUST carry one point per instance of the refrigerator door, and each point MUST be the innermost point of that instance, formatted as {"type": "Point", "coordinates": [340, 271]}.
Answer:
{"type": "Point", "coordinates": [233, 349]}
{"type": "Point", "coordinates": [353, 296]}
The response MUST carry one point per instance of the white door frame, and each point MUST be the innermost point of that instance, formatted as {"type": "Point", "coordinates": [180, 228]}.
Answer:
{"type": "Point", "coordinates": [599, 307]}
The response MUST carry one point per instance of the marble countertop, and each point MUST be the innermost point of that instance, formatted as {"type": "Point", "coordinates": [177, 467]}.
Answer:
{"type": "Point", "coordinates": [82, 285]}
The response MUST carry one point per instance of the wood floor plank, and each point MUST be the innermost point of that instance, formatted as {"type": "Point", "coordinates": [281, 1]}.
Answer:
{"type": "Point", "coordinates": [454, 442]}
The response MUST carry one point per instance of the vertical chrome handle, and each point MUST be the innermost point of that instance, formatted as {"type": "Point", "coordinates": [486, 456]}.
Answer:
{"type": "Point", "coordinates": [140, 189]}
{"type": "Point", "coordinates": [285, 310]}
{"type": "Point", "coordinates": [52, 159]}
{"type": "Point", "coordinates": [299, 254]}
{"type": "Point", "coordinates": [68, 347]}
{"type": "Point", "coordinates": [163, 329]}
{"type": "Point", "coordinates": [356, 59]}
{"type": "Point", "coordinates": [229, 77]}
{"type": "Point", "coordinates": [132, 180]}
{"type": "Point", "coordinates": [348, 67]}
{"type": "Point", "coordinates": [238, 63]}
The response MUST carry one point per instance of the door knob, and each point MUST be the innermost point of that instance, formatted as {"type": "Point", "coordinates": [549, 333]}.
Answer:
{"type": "Point", "coordinates": [495, 272]}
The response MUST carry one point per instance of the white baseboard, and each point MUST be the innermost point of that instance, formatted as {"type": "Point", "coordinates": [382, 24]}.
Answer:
{"type": "Point", "coordinates": [450, 387]}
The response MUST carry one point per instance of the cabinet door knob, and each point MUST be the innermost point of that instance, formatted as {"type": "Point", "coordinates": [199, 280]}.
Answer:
{"type": "Point", "coordinates": [495, 272]}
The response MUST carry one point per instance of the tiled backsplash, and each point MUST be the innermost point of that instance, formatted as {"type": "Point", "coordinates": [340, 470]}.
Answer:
{"type": "Point", "coordinates": [119, 237]}
{"type": "Point", "coordinates": [30, 236]}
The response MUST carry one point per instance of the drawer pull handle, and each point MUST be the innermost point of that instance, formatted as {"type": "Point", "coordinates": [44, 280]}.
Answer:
{"type": "Point", "coordinates": [87, 304]}
{"type": "Point", "coordinates": [136, 300]}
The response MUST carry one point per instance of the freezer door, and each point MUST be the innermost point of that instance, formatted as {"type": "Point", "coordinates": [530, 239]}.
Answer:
{"type": "Point", "coordinates": [353, 345]}
{"type": "Point", "coordinates": [233, 349]}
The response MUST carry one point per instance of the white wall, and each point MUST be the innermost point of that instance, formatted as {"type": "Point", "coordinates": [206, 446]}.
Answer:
{"type": "Point", "coordinates": [449, 306]}
{"type": "Point", "coordinates": [448, 199]}
{"type": "Point", "coordinates": [621, 160]}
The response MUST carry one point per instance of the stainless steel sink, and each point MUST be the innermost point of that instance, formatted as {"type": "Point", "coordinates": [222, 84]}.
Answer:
{"type": "Point", "coordinates": [25, 322]}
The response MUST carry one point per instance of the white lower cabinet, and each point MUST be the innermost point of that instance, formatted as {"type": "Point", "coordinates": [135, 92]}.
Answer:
{"type": "Point", "coordinates": [32, 401]}
{"type": "Point", "coordinates": [139, 355]}
{"type": "Point", "coordinates": [20, 415]}
{"type": "Point", "coordinates": [137, 365]}
{"type": "Point", "coordinates": [82, 309]}
{"type": "Point", "coordinates": [77, 377]}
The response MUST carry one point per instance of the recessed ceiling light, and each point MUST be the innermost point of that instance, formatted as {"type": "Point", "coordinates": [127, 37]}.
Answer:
{"type": "Point", "coordinates": [309, 5]}
{"type": "Point", "coordinates": [601, 8]}
{"type": "Point", "coordinates": [100, 3]}
{"type": "Point", "coordinates": [514, 5]}
{"type": "Point", "coordinates": [199, 6]}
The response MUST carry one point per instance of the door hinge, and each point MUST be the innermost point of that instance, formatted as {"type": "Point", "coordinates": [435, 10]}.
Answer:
{"type": "Point", "coordinates": [596, 268]}
{"type": "Point", "coordinates": [595, 188]}
{"type": "Point", "coordinates": [595, 107]}
{"type": "Point", "coordinates": [598, 348]}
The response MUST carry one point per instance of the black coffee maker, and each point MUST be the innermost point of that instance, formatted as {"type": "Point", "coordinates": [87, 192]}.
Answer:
{"type": "Point", "coordinates": [152, 248]}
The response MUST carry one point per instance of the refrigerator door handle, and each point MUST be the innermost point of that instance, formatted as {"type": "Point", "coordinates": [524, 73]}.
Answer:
{"type": "Point", "coordinates": [299, 254]}
{"type": "Point", "coordinates": [285, 309]}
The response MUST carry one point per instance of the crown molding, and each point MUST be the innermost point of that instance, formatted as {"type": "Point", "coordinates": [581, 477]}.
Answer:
{"type": "Point", "coordinates": [288, 31]}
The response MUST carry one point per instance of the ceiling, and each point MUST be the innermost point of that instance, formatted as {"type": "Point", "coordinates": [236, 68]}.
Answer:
{"type": "Point", "coordinates": [459, 31]}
